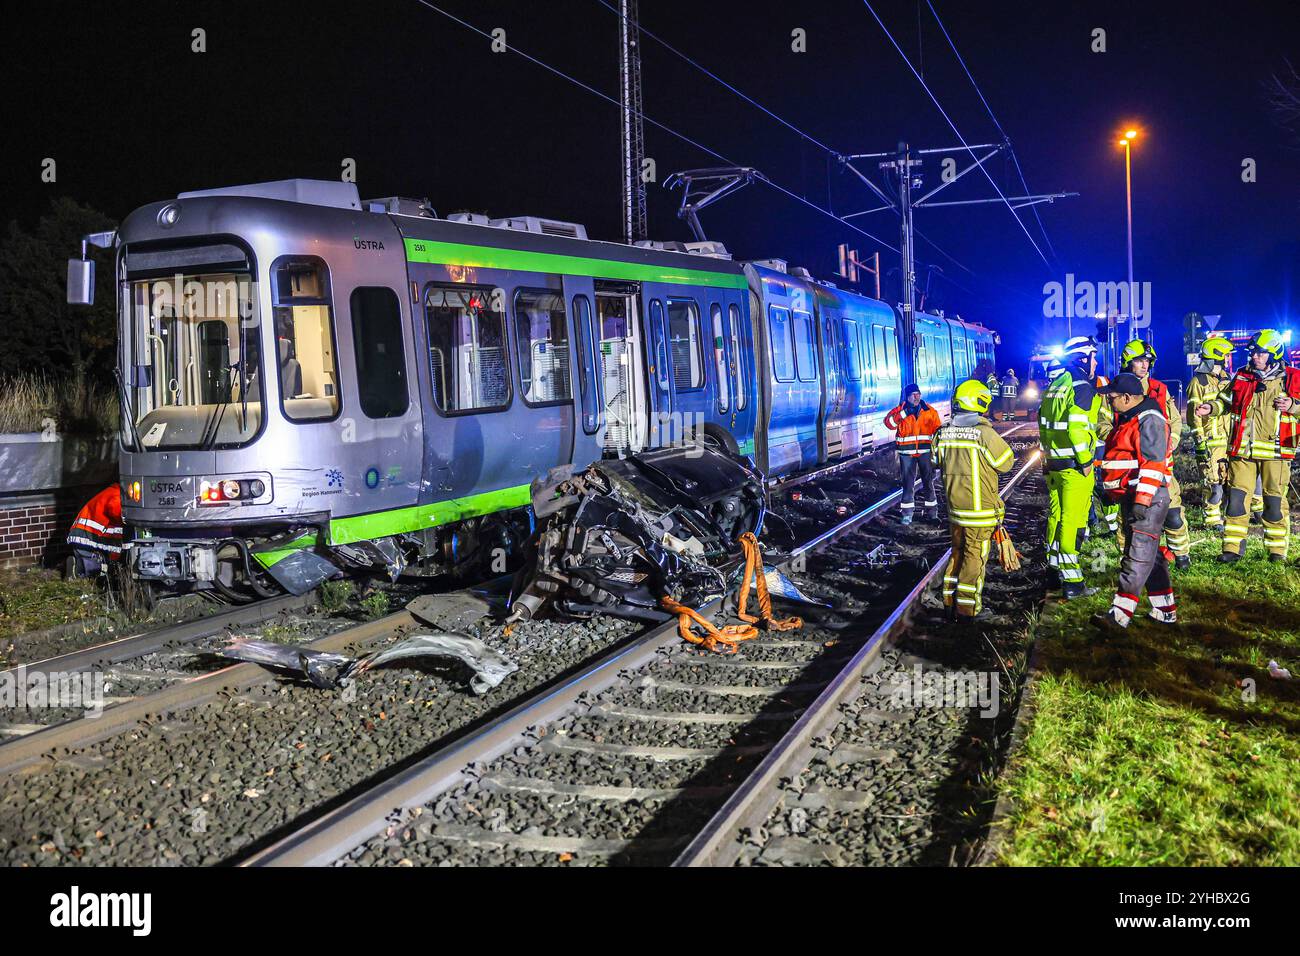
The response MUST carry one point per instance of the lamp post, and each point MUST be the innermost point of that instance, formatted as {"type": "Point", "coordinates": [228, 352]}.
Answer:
{"type": "Point", "coordinates": [1127, 143]}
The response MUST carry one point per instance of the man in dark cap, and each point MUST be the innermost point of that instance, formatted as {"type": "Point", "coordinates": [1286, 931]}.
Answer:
{"type": "Point", "coordinates": [1134, 471]}
{"type": "Point", "coordinates": [914, 423]}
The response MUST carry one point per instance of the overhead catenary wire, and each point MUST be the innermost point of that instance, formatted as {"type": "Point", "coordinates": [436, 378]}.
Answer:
{"type": "Point", "coordinates": [830, 151]}
{"type": "Point", "coordinates": [1007, 139]}
{"type": "Point", "coordinates": [709, 73]}
{"type": "Point", "coordinates": [939, 106]}
{"type": "Point", "coordinates": [653, 122]}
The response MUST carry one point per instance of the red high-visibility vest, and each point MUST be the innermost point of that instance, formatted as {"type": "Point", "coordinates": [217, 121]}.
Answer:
{"type": "Point", "coordinates": [99, 524]}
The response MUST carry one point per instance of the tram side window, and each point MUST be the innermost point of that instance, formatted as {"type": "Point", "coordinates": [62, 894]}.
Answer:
{"type": "Point", "coordinates": [542, 337]}
{"type": "Point", "coordinates": [720, 357]}
{"type": "Point", "coordinates": [684, 344]}
{"type": "Point", "coordinates": [738, 358]}
{"type": "Point", "coordinates": [467, 351]}
{"type": "Point", "coordinates": [304, 340]}
{"type": "Point", "coordinates": [778, 323]}
{"type": "Point", "coordinates": [805, 347]}
{"type": "Point", "coordinates": [588, 376]}
{"type": "Point", "coordinates": [380, 355]}
{"type": "Point", "coordinates": [852, 351]}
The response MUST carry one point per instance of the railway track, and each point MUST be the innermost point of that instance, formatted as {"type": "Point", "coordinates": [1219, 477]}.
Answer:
{"type": "Point", "coordinates": [244, 717]}
{"type": "Point", "coordinates": [110, 658]}
{"type": "Point", "coordinates": [655, 753]}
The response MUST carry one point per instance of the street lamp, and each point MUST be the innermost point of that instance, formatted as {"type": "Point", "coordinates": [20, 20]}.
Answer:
{"type": "Point", "coordinates": [1127, 143]}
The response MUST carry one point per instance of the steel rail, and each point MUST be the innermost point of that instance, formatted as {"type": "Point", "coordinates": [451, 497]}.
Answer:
{"type": "Point", "coordinates": [148, 642]}
{"type": "Point", "coordinates": [749, 806]}
{"type": "Point", "coordinates": [58, 739]}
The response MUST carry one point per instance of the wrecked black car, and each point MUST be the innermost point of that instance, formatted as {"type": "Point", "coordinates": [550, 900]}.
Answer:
{"type": "Point", "coordinates": [622, 534]}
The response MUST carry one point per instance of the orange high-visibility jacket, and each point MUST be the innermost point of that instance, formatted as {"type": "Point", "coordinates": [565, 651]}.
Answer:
{"type": "Point", "coordinates": [99, 524]}
{"type": "Point", "coordinates": [915, 430]}
{"type": "Point", "coordinates": [1136, 459]}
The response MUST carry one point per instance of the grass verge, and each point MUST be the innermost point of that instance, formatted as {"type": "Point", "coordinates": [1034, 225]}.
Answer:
{"type": "Point", "coordinates": [1168, 745]}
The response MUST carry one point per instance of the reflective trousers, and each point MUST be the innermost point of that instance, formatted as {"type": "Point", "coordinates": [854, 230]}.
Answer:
{"type": "Point", "coordinates": [908, 467]}
{"type": "Point", "coordinates": [963, 579]}
{"type": "Point", "coordinates": [1176, 534]}
{"type": "Point", "coordinates": [1213, 469]}
{"type": "Point", "coordinates": [1069, 495]}
{"type": "Point", "coordinates": [1272, 476]}
{"type": "Point", "coordinates": [1144, 564]}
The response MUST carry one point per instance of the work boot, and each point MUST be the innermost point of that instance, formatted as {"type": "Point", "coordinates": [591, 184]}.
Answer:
{"type": "Point", "coordinates": [1163, 617]}
{"type": "Point", "coordinates": [1109, 623]}
{"type": "Point", "coordinates": [1074, 589]}
{"type": "Point", "coordinates": [1183, 562]}
{"type": "Point", "coordinates": [931, 514]}
{"type": "Point", "coordinates": [1229, 557]}
{"type": "Point", "coordinates": [1277, 559]}
{"type": "Point", "coordinates": [906, 518]}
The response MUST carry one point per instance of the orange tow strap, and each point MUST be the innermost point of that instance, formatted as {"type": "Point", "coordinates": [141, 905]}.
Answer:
{"type": "Point", "coordinates": [727, 639]}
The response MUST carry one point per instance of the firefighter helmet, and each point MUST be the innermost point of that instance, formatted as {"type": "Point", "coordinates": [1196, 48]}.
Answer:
{"type": "Point", "coordinates": [1267, 340]}
{"type": "Point", "coordinates": [1216, 349]}
{"type": "Point", "coordinates": [1079, 347]}
{"type": "Point", "coordinates": [974, 396]}
{"type": "Point", "coordinates": [1135, 350]}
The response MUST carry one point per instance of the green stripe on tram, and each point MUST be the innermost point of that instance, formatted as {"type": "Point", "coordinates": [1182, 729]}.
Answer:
{"type": "Point", "coordinates": [382, 524]}
{"type": "Point", "coordinates": [493, 257]}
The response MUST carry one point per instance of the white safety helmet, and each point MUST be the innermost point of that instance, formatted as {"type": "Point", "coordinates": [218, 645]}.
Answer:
{"type": "Point", "coordinates": [1079, 348]}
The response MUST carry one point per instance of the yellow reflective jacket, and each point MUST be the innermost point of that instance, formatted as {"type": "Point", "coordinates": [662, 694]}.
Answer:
{"type": "Point", "coordinates": [971, 455]}
{"type": "Point", "coordinates": [1207, 386]}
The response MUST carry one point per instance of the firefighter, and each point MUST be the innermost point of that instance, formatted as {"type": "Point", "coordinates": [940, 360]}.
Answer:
{"type": "Point", "coordinates": [1139, 358]}
{"type": "Point", "coordinates": [1107, 510]}
{"type": "Point", "coordinates": [992, 382]}
{"type": "Point", "coordinates": [1067, 432]}
{"type": "Point", "coordinates": [1263, 399]}
{"type": "Point", "coordinates": [96, 534]}
{"type": "Point", "coordinates": [970, 454]}
{"type": "Point", "coordinates": [1208, 383]}
{"type": "Point", "coordinates": [915, 423]}
{"type": "Point", "coordinates": [1010, 391]}
{"type": "Point", "coordinates": [1135, 473]}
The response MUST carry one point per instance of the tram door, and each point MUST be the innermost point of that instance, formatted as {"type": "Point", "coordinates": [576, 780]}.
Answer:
{"type": "Point", "coordinates": [622, 367]}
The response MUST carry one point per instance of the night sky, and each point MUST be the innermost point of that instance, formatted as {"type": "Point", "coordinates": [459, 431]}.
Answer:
{"type": "Point", "coordinates": [114, 94]}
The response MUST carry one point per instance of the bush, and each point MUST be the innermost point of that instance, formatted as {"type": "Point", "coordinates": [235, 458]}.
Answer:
{"type": "Point", "coordinates": [334, 595]}
{"type": "Point", "coordinates": [375, 606]}
{"type": "Point", "coordinates": [75, 406]}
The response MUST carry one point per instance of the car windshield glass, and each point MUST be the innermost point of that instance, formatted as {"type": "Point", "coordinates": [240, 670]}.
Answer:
{"type": "Point", "coordinates": [194, 379]}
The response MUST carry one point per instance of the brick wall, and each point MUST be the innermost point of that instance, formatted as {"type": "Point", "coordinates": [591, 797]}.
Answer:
{"type": "Point", "coordinates": [34, 528]}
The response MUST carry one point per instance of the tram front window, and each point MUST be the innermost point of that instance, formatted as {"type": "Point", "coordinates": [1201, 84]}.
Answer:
{"type": "Point", "coordinates": [194, 378]}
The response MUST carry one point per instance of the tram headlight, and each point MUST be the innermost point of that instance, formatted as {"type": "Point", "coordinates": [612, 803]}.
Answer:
{"type": "Point", "coordinates": [225, 491]}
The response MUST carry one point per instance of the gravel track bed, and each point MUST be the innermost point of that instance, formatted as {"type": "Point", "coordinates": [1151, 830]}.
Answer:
{"type": "Point", "coordinates": [206, 784]}
{"type": "Point", "coordinates": [671, 733]}
{"type": "Point", "coordinates": [130, 677]}
{"type": "Point", "coordinates": [925, 760]}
